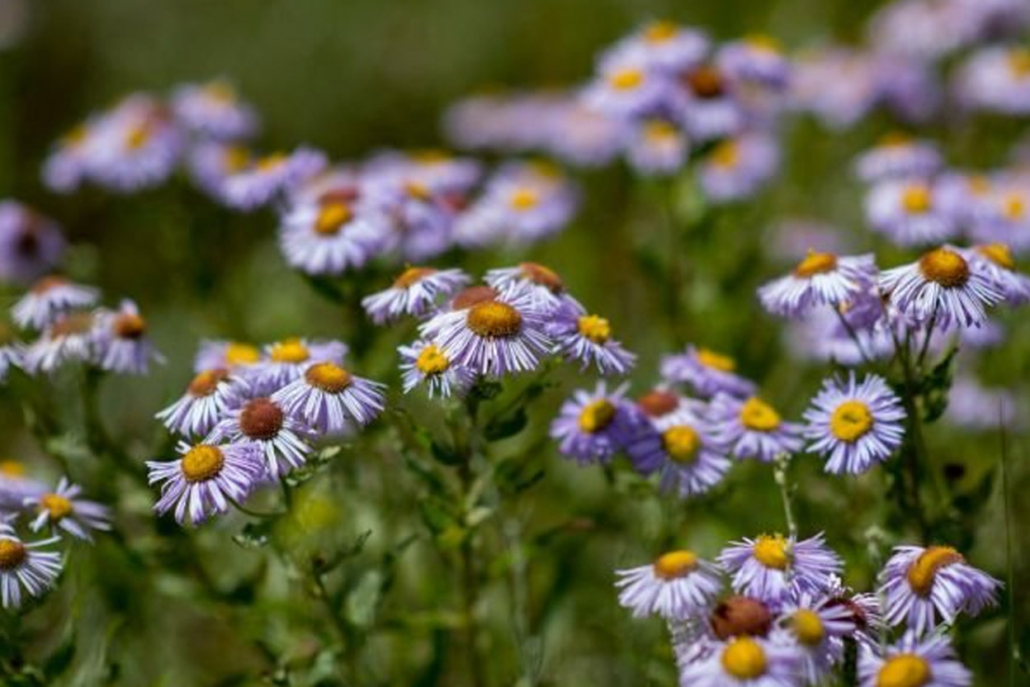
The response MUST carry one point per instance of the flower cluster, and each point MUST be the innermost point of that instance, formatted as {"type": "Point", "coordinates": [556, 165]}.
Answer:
{"type": "Point", "coordinates": [251, 415]}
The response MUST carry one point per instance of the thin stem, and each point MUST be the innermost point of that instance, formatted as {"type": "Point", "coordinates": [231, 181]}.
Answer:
{"type": "Point", "coordinates": [866, 358]}
{"type": "Point", "coordinates": [916, 451]}
{"type": "Point", "coordinates": [469, 575]}
{"type": "Point", "coordinates": [780, 474]}
{"type": "Point", "coordinates": [347, 671]}
{"type": "Point", "coordinates": [1010, 568]}
{"type": "Point", "coordinates": [926, 340]}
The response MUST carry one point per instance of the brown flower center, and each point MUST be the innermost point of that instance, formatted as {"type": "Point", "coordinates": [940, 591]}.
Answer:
{"type": "Point", "coordinates": [261, 418]}
{"type": "Point", "coordinates": [206, 382]}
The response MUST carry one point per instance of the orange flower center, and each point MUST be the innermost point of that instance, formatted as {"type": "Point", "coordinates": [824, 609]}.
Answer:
{"type": "Point", "coordinates": [493, 319]}
{"type": "Point", "coordinates": [328, 377]}
{"type": "Point", "coordinates": [945, 267]}
{"type": "Point", "coordinates": [675, 564]}
{"type": "Point", "coordinates": [202, 463]}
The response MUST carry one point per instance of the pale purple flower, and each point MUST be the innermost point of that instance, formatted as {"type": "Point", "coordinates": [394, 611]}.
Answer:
{"type": "Point", "coordinates": [752, 428]}
{"type": "Point", "coordinates": [677, 586]}
{"type": "Point", "coordinates": [25, 567]}
{"type": "Point", "coordinates": [706, 105]}
{"type": "Point", "coordinates": [416, 291]}
{"type": "Point", "coordinates": [593, 426]}
{"type": "Point", "coordinates": [909, 213]}
{"type": "Point", "coordinates": [743, 662]}
{"type": "Point", "coordinates": [544, 286]}
{"type": "Point", "coordinates": [995, 78]}
{"type": "Point", "coordinates": [285, 361]}
{"type": "Point", "coordinates": [819, 279]}
{"type": "Point", "coordinates": [214, 109]}
{"type": "Point", "coordinates": [121, 342]}
{"type": "Point", "coordinates": [70, 338]}
{"type": "Point", "coordinates": [706, 372]}
{"type": "Point", "coordinates": [663, 46]}
{"type": "Point", "coordinates": [209, 396]}
{"type": "Point", "coordinates": [330, 399]}
{"type": "Point", "coordinates": [30, 244]}
{"type": "Point", "coordinates": [898, 156]}
{"type": "Point", "coordinates": [264, 179]}
{"type": "Point", "coordinates": [815, 625]}
{"type": "Point", "coordinates": [914, 660]}
{"type": "Point", "coordinates": [739, 167]}
{"type": "Point", "coordinates": [773, 567]}
{"type": "Point", "coordinates": [48, 298]}
{"type": "Point", "coordinates": [687, 455]}
{"type": "Point", "coordinates": [657, 147]}
{"type": "Point", "coordinates": [587, 339]}
{"type": "Point", "coordinates": [995, 262]}
{"type": "Point", "coordinates": [62, 509]}
{"type": "Point", "coordinates": [426, 364]}
{"type": "Point", "coordinates": [755, 59]}
{"type": "Point", "coordinates": [236, 356]}
{"type": "Point", "coordinates": [261, 422]}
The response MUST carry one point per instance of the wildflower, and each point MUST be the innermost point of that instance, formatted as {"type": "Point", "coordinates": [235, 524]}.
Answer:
{"type": "Point", "coordinates": [214, 109]}
{"type": "Point", "coordinates": [121, 340]}
{"type": "Point", "coordinates": [657, 147]}
{"type": "Point", "coordinates": [588, 339]}
{"type": "Point", "coordinates": [414, 292]}
{"type": "Point", "coordinates": [755, 59]}
{"type": "Point", "coordinates": [580, 135]}
{"type": "Point", "coordinates": [12, 351]}
{"type": "Point", "coordinates": [1002, 216]}
{"type": "Point", "coordinates": [285, 361]}
{"type": "Point", "coordinates": [15, 487]}
{"type": "Point", "coordinates": [625, 85]}
{"type": "Point", "coordinates": [206, 479]}
{"type": "Point", "coordinates": [819, 279]}
{"type": "Point", "coordinates": [61, 509]}
{"type": "Point", "coordinates": [976, 407]}
{"type": "Point", "coordinates": [752, 428]}
{"type": "Point", "coordinates": [909, 212]}
{"type": "Point", "coordinates": [677, 585]}
{"type": "Point", "coordinates": [30, 244]}
{"type": "Point", "coordinates": [67, 166]}
{"type": "Point", "coordinates": [996, 263]}
{"type": "Point", "coordinates": [210, 394]}
{"type": "Point", "coordinates": [664, 46]}
{"type": "Point", "coordinates": [815, 625]}
{"type": "Point", "coordinates": [261, 422]}
{"type": "Point", "coordinates": [996, 78]}
{"type": "Point", "coordinates": [920, 585]}
{"type": "Point", "coordinates": [329, 398]}
{"type": "Point", "coordinates": [898, 156]}
{"type": "Point", "coordinates": [545, 287]}
{"type": "Point", "coordinates": [706, 371]}
{"type": "Point", "coordinates": [211, 163]}
{"type": "Point", "coordinates": [70, 338]}
{"type": "Point", "coordinates": [689, 459]}
{"type": "Point", "coordinates": [236, 356]}
{"type": "Point", "coordinates": [854, 426]}
{"type": "Point", "coordinates": [593, 426]}
{"type": "Point", "coordinates": [773, 566]}
{"type": "Point", "coordinates": [914, 662]}
{"type": "Point", "coordinates": [706, 104]}
{"type": "Point", "coordinates": [265, 178]}
{"type": "Point", "coordinates": [135, 145]}
{"type": "Point", "coordinates": [738, 167]}
{"type": "Point", "coordinates": [48, 298]}
{"type": "Point", "coordinates": [743, 661]}
{"type": "Point", "coordinates": [425, 363]}
{"type": "Point", "coordinates": [24, 566]}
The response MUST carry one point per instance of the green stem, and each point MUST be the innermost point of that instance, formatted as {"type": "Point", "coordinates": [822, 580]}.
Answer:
{"type": "Point", "coordinates": [1010, 568]}
{"type": "Point", "coordinates": [780, 474]}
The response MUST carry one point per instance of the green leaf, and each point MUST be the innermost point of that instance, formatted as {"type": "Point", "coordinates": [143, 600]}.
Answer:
{"type": "Point", "coordinates": [254, 535]}
{"type": "Point", "coordinates": [506, 426]}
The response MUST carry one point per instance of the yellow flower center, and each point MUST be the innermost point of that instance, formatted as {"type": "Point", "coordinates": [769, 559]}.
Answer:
{"type": "Point", "coordinates": [660, 130]}
{"type": "Point", "coordinates": [596, 415]}
{"type": "Point", "coordinates": [1019, 62]}
{"type": "Point", "coordinates": [206, 382]}
{"type": "Point", "coordinates": [241, 354]}
{"type": "Point", "coordinates": [594, 328]}
{"type": "Point", "coordinates": [895, 139]}
{"type": "Point", "coordinates": [137, 137]}
{"type": "Point", "coordinates": [851, 420]}
{"type": "Point", "coordinates": [945, 267]}
{"type": "Point", "coordinates": [331, 217]}
{"type": "Point", "coordinates": [272, 161]}
{"type": "Point", "coordinates": [816, 263]}
{"type": "Point", "coordinates": [758, 415]}
{"type": "Point", "coordinates": [744, 659]}
{"type": "Point", "coordinates": [417, 190]}
{"type": "Point", "coordinates": [289, 351]}
{"type": "Point", "coordinates": [328, 377]}
{"type": "Point", "coordinates": [978, 184]}
{"type": "Point", "coordinates": [726, 154]}
{"type": "Point", "coordinates": [808, 627]}
{"type": "Point", "coordinates": [12, 553]}
{"type": "Point", "coordinates": [202, 463]}
{"type": "Point", "coordinates": [998, 253]}
{"type": "Point", "coordinates": [716, 361]}
{"type": "Point", "coordinates": [542, 276]}
{"type": "Point", "coordinates": [524, 199]}
{"type": "Point", "coordinates": [916, 198]}
{"type": "Point", "coordinates": [904, 670]}
{"type": "Point", "coordinates": [493, 319]}
{"type": "Point", "coordinates": [771, 551]}
{"type": "Point", "coordinates": [56, 505]}
{"type": "Point", "coordinates": [1014, 207]}
{"type": "Point", "coordinates": [626, 79]}
{"type": "Point", "coordinates": [675, 564]}
{"type": "Point", "coordinates": [763, 42]}
{"type": "Point", "coordinates": [660, 31]}
{"type": "Point", "coordinates": [432, 361]}
{"type": "Point", "coordinates": [11, 468]}
{"type": "Point", "coordinates": [412, 275]}
{"type": "Point", "coordinates": [235, 159]}
{"type": "Point", "coordinates": [922, 573]}
{"type": "Point", "coordinates": [681, 443]}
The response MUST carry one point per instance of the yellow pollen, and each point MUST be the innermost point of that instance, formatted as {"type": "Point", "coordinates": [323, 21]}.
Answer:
{"type": "Point", "coordinates": [202, 463]}
{"type": "Point", "coordinates": [626, 79]}
{"type": "Point", "coordinates": [726, 154]}
{"type": "Point", "coordinates": [524, 199]}
{"type": "Point", "coordinates": [758, 415]}
{"type": "Point", "coordinates": [12, 553]}
{"type": "Point", "coordinates": [659, 130]}
{"type": "Point", "coordinates": [137, 137]}
{"type": "Point", "coordinates": [328, 377]}
{"type": "Point", "coordinates": [716, 361]}
{"type": "Point", "coordinates": [922, 573]}
{"type": "Point", "coordinates": [271, 161]}
{"type": "Point", "coordinates": [904, 670]}
{"type": "Point", "coordinates": [56, 505]}
{"type": "Point", "coordinates": [129, 326]}
{"type": "Point", "coordinates": [493, 319]}
{"type": "Point", "coordinates": [763, 42]}
{"type": "Point", "coordinates": [542, 276]}
{"type": "Point", "coordinates": [206, 382]}
{"type": "Point", "coordinates": [978, 184]}
{"type": "Point", "coordinates": [331, 217]}
{"type": "Point", "coordinates": [1013, 206]}
{"type": "Point", "coordinates": [771, 551]}
{"type": "Point", "coordinates": [998, 253]}
{"type": "Point", "coordinates": [594, 328]}
{"type": "Point", "coordinates": [289, 351]}
{"type": "Point", "coordinates": [235, 159]}
{"type": "Point", "coordinates": [895, 139]}
{"type": "Point", "coordinates": [851, 420]}
{"type": "Point", "coordinates": [660, 31]}
{"type": "Point", "coordinates": [11, 468]}
{"type": "Point", "coordinates": [916, 199]}
{"type": "Point", "coordinates": [744, 659]}
{"type": "Point", "coordinates": [241, 354]}
{"type": "Point", "coordinates": [596, 415]}
{"type": "Point", "coordinates": [430, 156]}
{"type": "Point", "coordinates": [432, 361]}
{"type": "Point", "coordinates": [220, 91]}
{"type": "Point", "coordinates": [808, 627]}
{"type": "Point", "coordinates": [945, 267]}
{"type": "Point", "coordinates": [675, 564]}
{"type": "Point", "coordinates": [1019, 62]}
{"type": "Point", "coordinates": [418, 191]}
{"type": "Point", "coordinates": [681, 443]}
{"type": "Point", "coordinates": [412, 275]}
{"type": "Point", "coordinates": [816, 263]}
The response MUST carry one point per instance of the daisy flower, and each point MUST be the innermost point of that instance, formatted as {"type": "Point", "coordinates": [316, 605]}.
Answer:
{"type": "Point", "coordinates": [898, 156]}
{"type": "Point", "coordinates": [235, 356]}
{"type": "Point", "coordinates": [210, 394]}
{"type": "Point", "coordinates": [261, 422]}
{"type": "Point", "coordinates": [30, 244]}
{"type": "Point", "coordinates": [70, 338]}
{"type": "Point", "coordinates": [286, 360]}
{"type": "Point", "coordinates": [661, 404]}
{"type": "Point", "coordinates": [819, 279]}
{"type": "Point", "coordinates": [689, 459]}
{"type": "Point", "coordinates": [425, 363]}
{"type": "Point", "coordinates": [920, 585]}
{"type": "Point", "coordinates": [61, 509]}
{"type": "Point", "coordinates": [135, 146]}
{"type": "Point", "coordinates": [743, 662]}
{"type": "Point", "coordinates": [752, 428]}
{"type": "Point", "coordinates": [261, 180]}
{"type": "Point", "coordinates": [593, 426]}
{"type": "Point", "coordinates": [544, 286]}
{"type": "Point", "coordinates": [24, 567]}
{"type": "Point", "coordinates": [815, 625]}
{"type": "Point", "coordinates": [414, 292]}
{"type": "Point", "coordinates": [657, 147]}
{"type": "Point", "coordinates": [205, 479]}
{"type": "Point", "coordinates": [15, 487]}
{"type": "Point", "coordinates": [738, 167]}
{"type": "Point", "coordinates": [329, 398]}
{"type": "Point", "coordinates": [48, 298]}
{"type": "Point", "coordinates": [214, 109]}
{"type": "Point", "coordinates": [67, 165]}
{"type": "Point", "coordinates": [1003, 217]}
{"type": "Point", "coordinates": [706, 105]}
{"type": "Point", "coordinates": [582, 136]}
{"type": "Point", "coordinates": [121, 340]}
{"type": "Point", "coordinates": [854, 426]}
{"type": "Point", "coordinates": [588, 339]}
{"type": "Point", "coordinates": [772, 567]}
{"type": "Point", "coordinates": [677, 585]}
{"type": "Point", "coordinates": [665, 45]}
{"type": "Point", "coordinates": [625, 85]}
{"type": "Point", "coordinates": [909, 212]}
{"type": "Point", "coordinates": [210, 163]}
{"type": "Point", "coordinates": [914, 662]}
{"type": "Point", "coordinates": [995, 78]}
{"type": "Point", "coordinates": [755, 59]}
{"type": "Point", "coordinates": [940, 286]}
{"type": "Point", "coordinates": [705, 371]}
{"type": "Point", "coordinates": [995, 261]}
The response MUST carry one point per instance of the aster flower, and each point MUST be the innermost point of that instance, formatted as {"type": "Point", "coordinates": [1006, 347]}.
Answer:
{"type": "Point", "coordinates": [819, 279]}
{"type": "Point", "coordinates": [329, 398]}
{"type": "Point", "coordinates": [581, 136]}
{"type": "Point", "coordinates": [657, 147]}
{"type": "Point", "coordinates": [839, 86]}
{"type": "Point", "coordinates": [996, 78]}
{"type": "Point", "coordinates": [738, 167]}
{"type": "Point", "coordinates": [706, 371]}
{"type": "Point", "coordinates": [588, 339]}
{"type": "Point", "coordinates": [414, 292]}
{"type": "Point", "coordinates": [593, 426]}
{"type": "Point", "coordinates": [210, 394]}
{"type": "Point", "coordinates": [926, 662]}
{"type": "Point", "coordinates": [430, 172]}
{"type": "Point", "coordinates": [752, 428]}
{"type": "Point", "coordinates": [920, 585]}
{"type": "Point", "coordinates": [70, 338]}
{"type": "Point", "coordinates": [755, 59]}
{"type": "Point", "coordinates": [30, 244]}
{"type": "Point", "coordinates": [235, 356]}
{"type": "Point", "coordinates": [687, 456]}
{"type": "Point", "coordinates": [263, 179]}
{"type": "Point", "coordinates": [285, 361]}
{"type": "Point", "coordinates": [421, 220]}
{"type": "Point", "coordinates": [664, 46]}
{"type": "Point", "coordinates": [24, 567]}
{"type": "Point", "coordinates": [135, 145]}
{"type": "Point", "coordinates": [121, 340]}
{"type": "Point", "coordinates": [625, 85]}
{"type": "Point", "coordinates": [854, 425]}
{"type": "Point", "coordinates": [263, 423]}
{"type": "Point", "coordinates": [48, 298]}
{"type": "Point", "coordinates": [62, 509]}
{"type": "Point", "coordinates": [940, 286]}
{"type": "Point", "coordinates": [996, 263]}
{"type": "Point", "coordinates": [677, 585]}
{"type": "Point", "coordinates": [544, 286]}
{"type": "Point", "coordinates": [206, 479]}
{"type": "Point", "coordinates": [214, 109]}
{"type": "Point", "coordinates": [898, 156]}
{"type": "Point", "coordinates": [863, 611]}
{"type": "Point", "coordinates": [494, 336]}
{"type": "Point", "coordinates": [744, 662]}
{"type": "Point", "coordinates": [772, 567]}
{"type": "Point", "coordinates": [12, 351]}
{"type": "Point", "coordinates": [210, 163]}
{"type": "Point", "coordinates": [909, 212]}
{"type": "Point", "coordinates": [425, 363]}
{"type": "Point", "coordinates": [815, 626]}
{"type": "Point", "coordinates": [706, 104]}
{"type": "Point", "coordinates": [15, 487]}
{"type": "Point", "coordinates": [68, 163]}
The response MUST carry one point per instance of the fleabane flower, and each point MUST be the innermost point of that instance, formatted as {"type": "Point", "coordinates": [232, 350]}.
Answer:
{"type": "Point", "coordinates": [743, 662]}
{"type": "Point", "coordinates": [706, 371]}
{"type": "Point", "coordinates": [425, 363]}
{"type": "Point", "coordinates": [587, 339]}
{"type": "Point", "coordinates": [657, 147]}
{"type": "Point", "coordinates": [205, 479]}
{"type": "Point", "coordinates": [330, 399]}
{"type": "Point", "coordinates": [914, 662]}
{"type": "Point", "coordinates": [48, 298]}
{"type": "Point", "coordinates": [135, 145]}
{"type": "Point", "coordinates": [214, 109]}
{"type": "Point", "coordinates": [898, 156]}
{"type": "Point", "coordinates": [30, 244]}
{"type": "Point", "coordinates": [261, 422]}
{"type": "Point", "coordinates": [593, 426]}
{"type": "Point", "coordinates": [121, 340]}
{"type": "Point", "coordinates": [772, 567]}
{"type": "Point", "coordinates": [819, 279]}
{"type": "Point", "coordinates": [755, 59]}
{"type": "Point", "coordinates": [678, 585]}
{"type": "Point", "coordinates": [921, 585]}
{"type": "Point", "coordinates": [63, 510]}
{"type": "Point", "coordinates": [415, 292]}
{"type": "Point", "coordinates": [664, 46]}
{"type": "Point", "coordinates": [705, 102]}
{"type": "Point", "coordinates": [739, 167]}
{"type": "Point", "coordinates": [996, 78]}
{"type": "Point", "coordinates": [854, 425]}
{"type": "Point", "coordinates": [69, 338]}
{"type": "Point", "coordinates": [625, 85]}
{"type": "Point", "coordinates": [996, 263]}
{"type": "Point", "coordinates": [909, 212]}
{"type": "Point", "coordinates": [210, 394]}
{"type": "Point", "coordinates": [285, 361]}
{"type": "Point", "coordinates": [544, 286]}
{"type": "Point", "coordinates": [816, 626]}
{"type": "Point", "coordinates": [235, 356]}
{"type": "Point", "coordinates": [24, 567]}
{"type": "Point", "coordinates": [940, 286]}
{"type": "Point", "coordinates": [752, 428]}
{"type": "Point", "coordinates": [263, 179]}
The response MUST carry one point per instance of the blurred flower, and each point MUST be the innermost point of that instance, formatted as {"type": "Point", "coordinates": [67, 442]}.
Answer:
{"type": "Point", "coordinates": [677, 585]}
{"type": "Point", "coordinates": [264, 424]}
{"type": "Point", "coordinates": [414, 292]}
{"type": "Point", "coordinates": [12, 351]}
{"type": "Point", "coordinates": [706, 104]}
{"type": "Point", "coordinates": [593, 426]}
{"type": "Point", "coordinates": [121, 340]}
{"type": "Point", "coordinates": [210, 394]}
{"type": "Point", "coordinates": [15, 487]}
{"type": "Point", "coordinates": [773, 567]}
{"type": "Point", "coordinates": [908, 212]}
{"type": "Point", "coordinates": [743, 662]}
{"type": "Point", "coordinates": [819, 279]}
{"type": "Point", "coordinates": [706, 371]}
{"type": "Point", "coordinates": [214, 109]}
{"type": "Point", "coordinates": [329, 398]}
{"type": "Point", "coordinates": [662, 45]}
{"type": "Point", "coordinates": [995, 78]}
{"type": "Point", "coordinates": [837, 85]}
{"type": "Point", "coordinates": [544, 286]}
{"type": "Point", "coordinates": [68, 339]}
{"type": "Point", "coordinates": [974, 406]}
{"type": "Point", "coordinates": [425, 363]}
{"type": "Point", "coordinates": [61, 509]}
{"type": "Point", "coordinates": [48, 298]}
{"type": "Point", "coordinates": [996, 263]}
{"type": "Point", "coordinates": [625, 85]}
{"type": "Point", "coordinates": [235, 356]}
{"type": "Point", "coordinates": [898, 156]}
{"type": "Point", "coordinates": [24, 566]}
{"type": "Point", "coordinates": [815, 625]}
{"type": "Point", "coordinates": [587, 338]}
{"type": "Point", "coordinates": [756, 59]}
{"type": "Point", "coordinates": [752, 428]}
{"type": "Point", "coordinates": [30, 244]}
{"type": "Point", "coordinates": [926, 662]}
{"type": "Point", "coordinates": [285, 361]}
{"type": "Point", "coordinates": [135, 145]}
{"type": "Point", "coordinates": [738, 167]}
{"type": "Point", "coordinates": [263, 179]}
{"type": "Point", "coordinates": [657, 147]}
